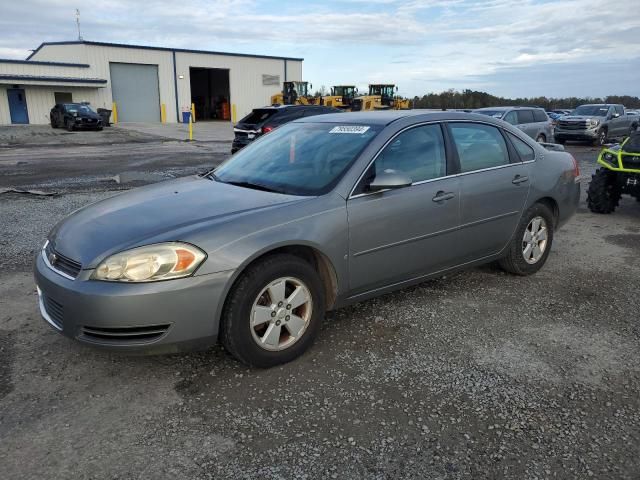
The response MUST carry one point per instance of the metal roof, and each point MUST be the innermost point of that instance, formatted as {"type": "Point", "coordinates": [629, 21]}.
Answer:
{"type": "Point", "coordinates": [164, 49]}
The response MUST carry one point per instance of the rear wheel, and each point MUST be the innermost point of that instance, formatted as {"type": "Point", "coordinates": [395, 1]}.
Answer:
{"type": "Point", "coordinates": [273, 312]}
{"type": "Point", "coordinates": [531, 243]}
{"type": "Point", "coordinates": [603, 194]}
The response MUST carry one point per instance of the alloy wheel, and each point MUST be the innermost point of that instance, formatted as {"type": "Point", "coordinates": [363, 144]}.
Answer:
{"type": "Point", "coordinates": [281, 313]}
{"type": "Point", "coordinates": [534, 241]}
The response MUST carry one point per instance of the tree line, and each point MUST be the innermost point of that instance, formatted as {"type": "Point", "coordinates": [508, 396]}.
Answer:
{"type": "Point", "coordinates": [452, 99]}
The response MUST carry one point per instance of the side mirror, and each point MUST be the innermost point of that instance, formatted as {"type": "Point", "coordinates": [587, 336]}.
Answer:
{"type": "Point", "coordinates": [396, 88]}
{"type": "Point", "coordinates": [615, 115]}
{"type": "Point", "coordinates": [389, 180]}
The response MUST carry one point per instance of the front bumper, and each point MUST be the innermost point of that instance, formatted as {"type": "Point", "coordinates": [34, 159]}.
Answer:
{"type": "Point", "coordinates": [587, 134]}
{"type": "Point", "coordinates": [157, 317]}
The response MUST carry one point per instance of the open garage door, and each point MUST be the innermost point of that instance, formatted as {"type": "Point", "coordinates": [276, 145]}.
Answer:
{"type": "Point", "coordinates": [210, 93]}
{"type": "Point", "coordinates": [135, 90]}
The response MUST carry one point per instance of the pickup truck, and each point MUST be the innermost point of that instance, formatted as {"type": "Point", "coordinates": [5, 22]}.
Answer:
{"type": "Point", "coordinates": [596, 123]}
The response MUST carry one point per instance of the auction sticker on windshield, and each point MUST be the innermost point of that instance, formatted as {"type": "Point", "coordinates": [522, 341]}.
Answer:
{"type": "Point", "coordinates": [349, 129]}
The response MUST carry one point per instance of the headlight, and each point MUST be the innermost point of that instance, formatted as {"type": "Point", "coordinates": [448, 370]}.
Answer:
{"type": "Point", "coordinates": [151, 263]}
{"type": "Point", "coordinates": [594, 123]}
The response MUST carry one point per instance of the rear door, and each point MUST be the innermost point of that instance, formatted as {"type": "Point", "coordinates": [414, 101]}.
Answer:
{"type": "Point", "coordinates": [494, 185]}
{"type": "Point", "coordinates": [619, 126]}
{"type": "Point", "coordinates": [407, 232]}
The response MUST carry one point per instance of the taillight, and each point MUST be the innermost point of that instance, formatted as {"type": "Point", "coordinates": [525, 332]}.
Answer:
{"type": "Point", "coordinates": [576, 168]}
{"type": "Point", "coordinates": [266, 129]}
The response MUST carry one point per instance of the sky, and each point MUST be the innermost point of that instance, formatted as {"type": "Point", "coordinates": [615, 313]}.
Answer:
{"type": "Point", "coordinates": [512, 48]}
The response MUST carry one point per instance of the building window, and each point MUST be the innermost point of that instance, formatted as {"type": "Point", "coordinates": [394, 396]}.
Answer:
{"type": "Point", "coordinates": [63, 97]}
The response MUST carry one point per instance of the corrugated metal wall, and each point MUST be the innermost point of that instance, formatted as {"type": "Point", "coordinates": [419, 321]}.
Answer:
{"type": "Point", "coordinates": [245, 74]}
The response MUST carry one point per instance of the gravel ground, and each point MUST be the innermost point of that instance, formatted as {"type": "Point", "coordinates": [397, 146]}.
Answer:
{"type": "Point", "coordinates": [476, 375]}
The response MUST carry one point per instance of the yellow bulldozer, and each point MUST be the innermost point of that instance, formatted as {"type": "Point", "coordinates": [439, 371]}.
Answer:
{"type": "Point", "coordinates": [295, 93]}
{"type": "Point", "coordinates": [341, 96]}
{"type": "Point", "coordinates": [381, 96]}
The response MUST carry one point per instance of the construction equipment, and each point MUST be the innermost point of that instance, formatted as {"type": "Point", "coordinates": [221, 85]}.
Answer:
{"type": "Point", "coordinates": [295, 93]}
{"type": "Point", "coordinates": [341, 96]}
{"type": "Point", "coordinates": [381, 97]}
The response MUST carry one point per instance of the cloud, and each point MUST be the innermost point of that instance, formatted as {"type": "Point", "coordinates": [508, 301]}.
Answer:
{"type": "Point", "coordinates": [420, 44]}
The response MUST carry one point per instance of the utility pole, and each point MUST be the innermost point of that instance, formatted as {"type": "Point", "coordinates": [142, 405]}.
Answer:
{"type": "Point", "coordinates": [78, 23]}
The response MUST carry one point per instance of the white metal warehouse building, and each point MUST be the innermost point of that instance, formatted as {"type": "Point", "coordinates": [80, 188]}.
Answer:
{"type": "Point", "coordinates": [146, 84]}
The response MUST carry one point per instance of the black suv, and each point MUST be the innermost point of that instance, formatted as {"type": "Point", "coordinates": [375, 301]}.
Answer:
{"type": "Point", "coordinates": [75, 116]}
{"type": "Point", "coordinates": [263, 120]}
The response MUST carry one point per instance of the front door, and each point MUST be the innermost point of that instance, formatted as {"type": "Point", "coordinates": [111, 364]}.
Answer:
{"type": "Point", "coordinates": [494, 188]}
{"type": "Point", "coordinates": [18, 106]}
{"type": "Point", "coordinates": [398, 234]}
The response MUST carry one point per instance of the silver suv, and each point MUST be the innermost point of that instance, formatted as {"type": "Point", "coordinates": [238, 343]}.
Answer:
{"type": "Point", "coordinates": [532, 121]}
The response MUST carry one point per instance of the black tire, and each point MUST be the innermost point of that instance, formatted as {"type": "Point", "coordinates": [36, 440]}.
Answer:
{"type": "Point", "coordinates": [235, 329]}
{"type": "Point", "coordinates": [541, 138]}
{"type": "Point", "coordinates": [53, 123]}
{"type": "Point", "coordinates": [603, 194]}
{"type": "Point", "coordinates": [514, 262]}
{"type": "Point", "coordinates": [602, 137]}
{"type": "Point", "coordinates": [99, 129]}
{"type": "Point", "coordinates": [69, 125]}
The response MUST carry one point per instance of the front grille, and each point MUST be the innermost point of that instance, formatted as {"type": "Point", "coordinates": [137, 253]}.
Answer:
{"type": "Point", "coordinates": [124, 335]}
{"type": "Point", "coordinates": [54, 309]}
{"type": "Point", "coordinates": [573, 125]}
{"type": "Point", "coordinates": [356, 104]}
{"type": "Point", "coordinates": [61, 263]}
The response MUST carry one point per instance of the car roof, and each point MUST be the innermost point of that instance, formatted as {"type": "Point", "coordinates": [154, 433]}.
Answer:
{"type": "Point", "coordinates": [386, 117]}
{"type": "Point", "coordinates": [279, 106]}
{"type": "Point", "coordinates": [503, 109]}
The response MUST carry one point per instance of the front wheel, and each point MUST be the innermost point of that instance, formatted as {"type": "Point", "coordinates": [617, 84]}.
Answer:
{"type": "Point", "coordinates": [530, 245]}
{"type": "Point", "coordinates": [603, 194]}
{"type": "Point", "coordinates": [541, 138]}
{"type": "Point", "coordinates": [602, 137]}
{"type": "Point", "coordinates": [273, 312]}
{"type": "Point", "coordinates": [70, 126]}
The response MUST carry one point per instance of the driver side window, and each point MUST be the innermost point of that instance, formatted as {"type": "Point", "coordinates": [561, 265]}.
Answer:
{"type": "Point", "coordinates": [417, 153]}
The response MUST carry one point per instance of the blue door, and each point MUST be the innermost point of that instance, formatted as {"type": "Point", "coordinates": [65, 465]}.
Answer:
{"type": "Point", "coordinates": [18, 105]}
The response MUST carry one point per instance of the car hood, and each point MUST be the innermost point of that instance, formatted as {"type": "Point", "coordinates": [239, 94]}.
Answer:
{"type": "Point", "coordinates": [581, 117]}
{"type": "Point", "coordinates": [164, 211]}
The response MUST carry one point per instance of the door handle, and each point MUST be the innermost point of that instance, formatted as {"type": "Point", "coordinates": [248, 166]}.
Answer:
{"type": "Point", "coordinates": [442, 196]}
{"type": "Point", "coordinates": [518, 179]}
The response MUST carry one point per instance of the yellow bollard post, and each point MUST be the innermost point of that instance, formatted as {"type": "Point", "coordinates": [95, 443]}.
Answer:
{"type": "Point", "coordinates": [190, 129]}
{"type": "Point", "coordinates": [163, 113]}
{"type": "Point", "coordinates": [114, 109]}
{"type": "Point", "coordinates": [233, 113]}
{"type": "Point", "coordinates": [193, 112]}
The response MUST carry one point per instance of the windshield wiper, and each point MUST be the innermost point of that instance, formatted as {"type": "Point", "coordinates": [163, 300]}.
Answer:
{"type": "Point", "coordinates": [255, 186]}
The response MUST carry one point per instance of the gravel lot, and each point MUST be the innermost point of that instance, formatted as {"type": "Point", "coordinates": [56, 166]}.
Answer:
{"type": "Point", "coordinates": [477, 375]}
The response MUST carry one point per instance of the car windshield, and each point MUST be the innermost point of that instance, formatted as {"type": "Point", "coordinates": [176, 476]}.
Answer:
{"type": "Point", "coordinates": [297, 158]}
{"type": "Point", "coordinates": [491, 113]}
{"type": "Point", "coordinates": [74, 108]}
{"type": "Point", "coordinates": [597, 110]}
{"type": "Point", "coordinates": [341, 90]}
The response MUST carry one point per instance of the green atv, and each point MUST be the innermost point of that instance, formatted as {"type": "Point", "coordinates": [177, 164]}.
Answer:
{"type": "Point", "coordinates": [619, 174]}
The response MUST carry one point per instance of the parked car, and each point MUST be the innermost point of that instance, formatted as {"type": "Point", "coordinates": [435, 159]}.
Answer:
{"type": "Point", "coordinates": [320, 213]}
{"type": "Point", "coordinates": [74, 116]}
{"type": "Point", "coordinates": [596, 123]}
{"type": "Point", "coordinates": [532, 121]}
{"type": "Point", "coordinates": [561, 111]}
{"type": "Point", "coordinates": [263, 120]}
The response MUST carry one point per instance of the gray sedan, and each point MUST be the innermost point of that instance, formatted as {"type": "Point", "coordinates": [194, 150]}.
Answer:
{"type": "Point", "coordinates": [320, 213]}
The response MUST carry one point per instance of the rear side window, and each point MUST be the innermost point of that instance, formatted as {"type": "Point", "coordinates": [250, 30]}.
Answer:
{"type": "Point", "coordinates": [525, 116]}
{"type": "Point", "coordinates": [540, 116]}
{"type": "Point", "coordinates": [511, 118]}
{"type": "Point", "coordinates": [525, 152]}
{"type": "Point", "coordinates": [258, 115]}
{"type": "Point", "coordinates": [479, 146]}
{"type": "Point", "coordinates": [619, 109]}
{"type": "Point", "coordinates": [287, 115]}
{"type": "Point", "coordinates": [418, 153]}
